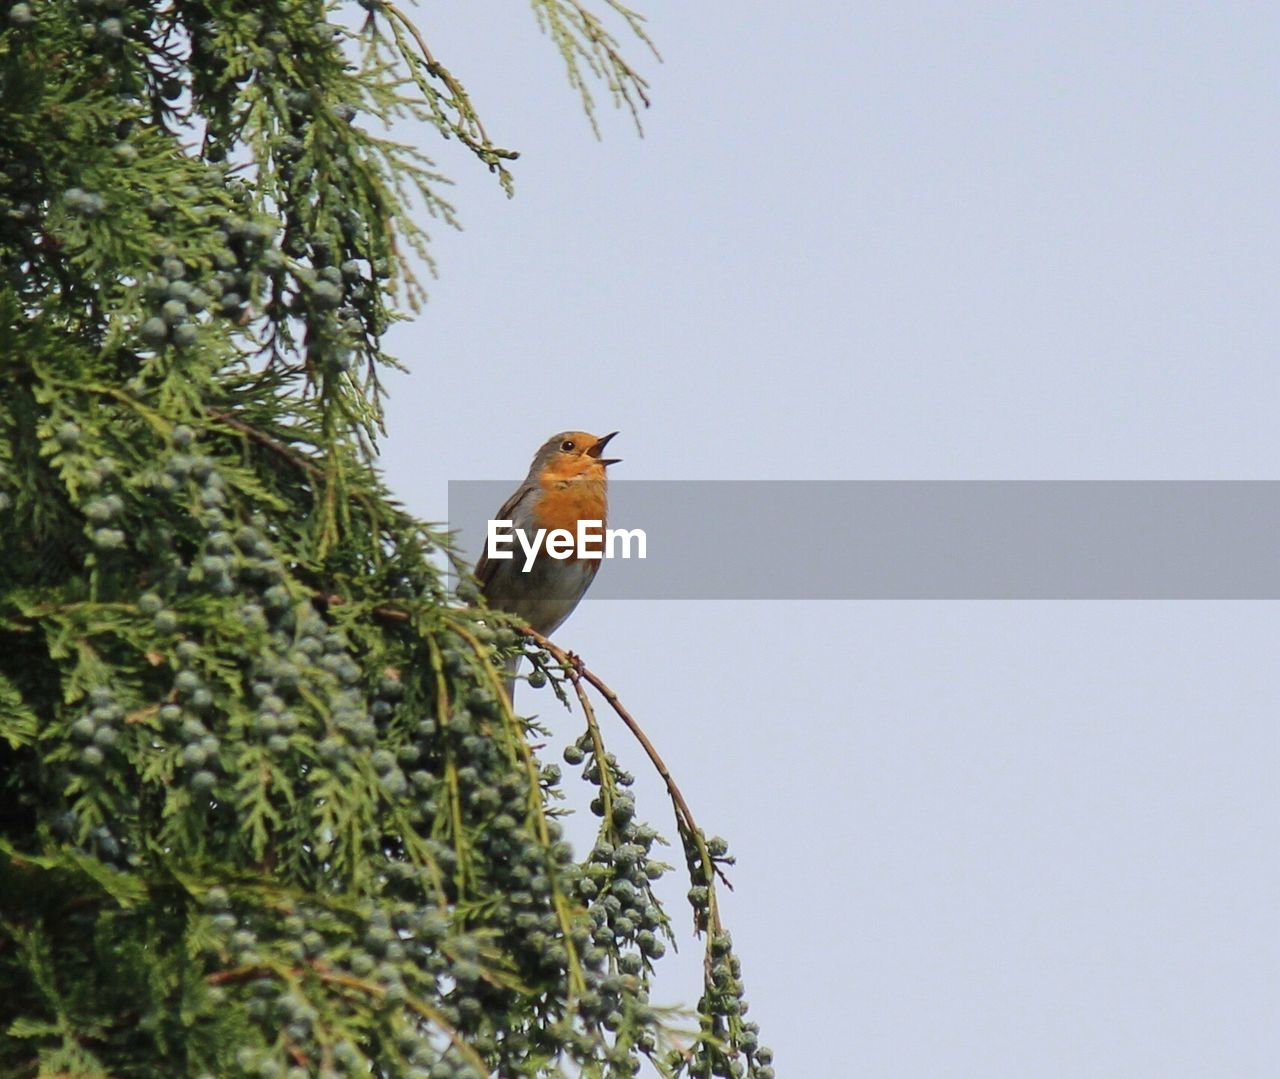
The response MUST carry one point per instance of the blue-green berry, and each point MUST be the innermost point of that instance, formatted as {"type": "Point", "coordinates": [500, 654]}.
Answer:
{"type": "Point", "coordinates": [108, 539]}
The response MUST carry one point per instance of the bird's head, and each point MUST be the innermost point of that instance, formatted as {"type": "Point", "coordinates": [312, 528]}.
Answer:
{"type": "Point", "coordinates": [570, 455]}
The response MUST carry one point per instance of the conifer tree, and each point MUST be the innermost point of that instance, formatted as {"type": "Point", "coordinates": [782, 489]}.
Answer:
{"type": "Point", "coordinates": [265, 809]}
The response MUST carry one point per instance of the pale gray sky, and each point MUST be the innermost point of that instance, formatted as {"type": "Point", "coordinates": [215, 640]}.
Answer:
{"type": "Point", "coordinates": [911, 241]}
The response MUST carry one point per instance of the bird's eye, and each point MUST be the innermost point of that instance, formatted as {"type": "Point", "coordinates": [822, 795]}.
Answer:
{"type": "Point", "coordinates": [567, 445]}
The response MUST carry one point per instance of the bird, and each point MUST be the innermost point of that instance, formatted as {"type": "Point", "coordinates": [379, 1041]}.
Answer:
{"type": "Point", "coordinates": [567, 483]}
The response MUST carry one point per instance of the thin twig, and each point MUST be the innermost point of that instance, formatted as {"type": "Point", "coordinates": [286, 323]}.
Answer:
{"type": "Point", "coordinates": [259, 436]}
{"type": "Point", "coordinates": [684, 815]}
{"type": "Point", "coordinates": [461, 99]}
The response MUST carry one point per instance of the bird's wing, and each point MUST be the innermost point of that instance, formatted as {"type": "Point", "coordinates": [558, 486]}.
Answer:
{"type": "Point", "coordinates": [524, 495]}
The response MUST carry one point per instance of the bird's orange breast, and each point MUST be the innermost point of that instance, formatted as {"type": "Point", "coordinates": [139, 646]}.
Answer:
{"type": "Point", "coordinates": [564, 506]}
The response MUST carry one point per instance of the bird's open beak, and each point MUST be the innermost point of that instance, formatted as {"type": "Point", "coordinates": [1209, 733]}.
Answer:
{"type": "Point", "coordinates": [598, 449]}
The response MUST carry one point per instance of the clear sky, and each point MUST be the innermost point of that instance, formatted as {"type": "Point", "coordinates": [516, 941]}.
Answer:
{"type": "Point", "coordinates": [911, 241]}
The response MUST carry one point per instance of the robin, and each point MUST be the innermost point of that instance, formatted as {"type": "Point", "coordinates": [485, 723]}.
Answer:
{"type": "Point", "coordinates": [566, 484]}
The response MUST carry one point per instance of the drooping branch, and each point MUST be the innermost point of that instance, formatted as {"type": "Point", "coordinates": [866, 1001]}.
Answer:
{"type": "Point", "coordinates": [577, 673]}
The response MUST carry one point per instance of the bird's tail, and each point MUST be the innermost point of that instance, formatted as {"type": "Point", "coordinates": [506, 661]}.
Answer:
{"type": "Point", "coordinates": [513, 665]}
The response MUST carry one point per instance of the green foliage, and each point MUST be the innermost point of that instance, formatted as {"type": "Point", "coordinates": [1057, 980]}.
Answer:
{"type": "Point", "coordinates": [264, 809]}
